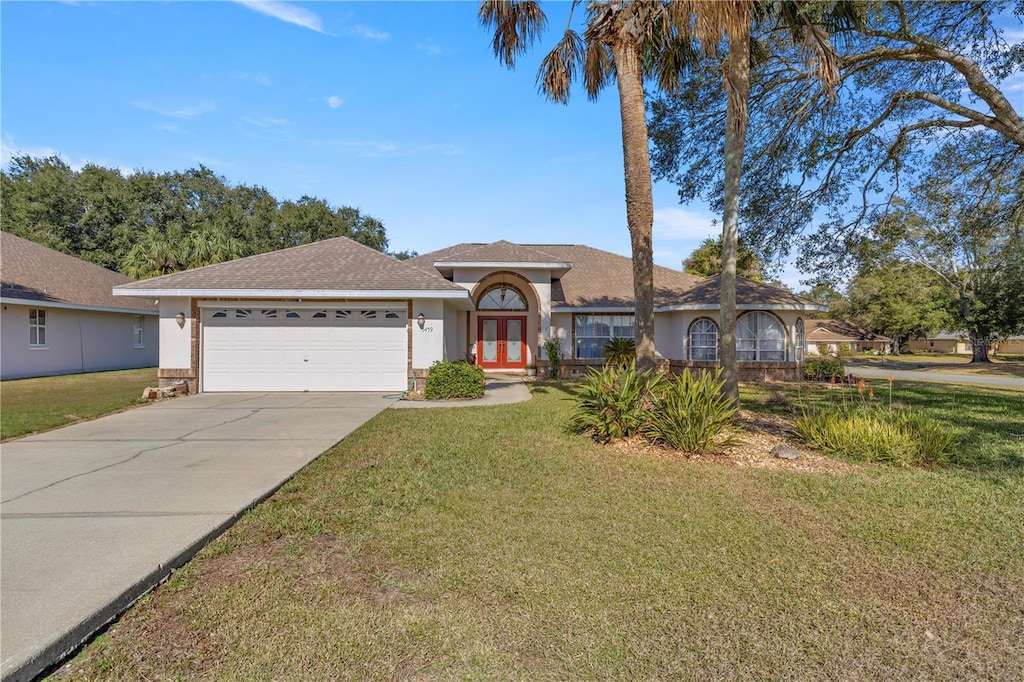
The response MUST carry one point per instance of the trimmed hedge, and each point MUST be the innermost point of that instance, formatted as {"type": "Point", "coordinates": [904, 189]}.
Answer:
{"type": "Point", "coordinates": [823, 369]}
{"type": "Point", "coordinates": [454, 380]}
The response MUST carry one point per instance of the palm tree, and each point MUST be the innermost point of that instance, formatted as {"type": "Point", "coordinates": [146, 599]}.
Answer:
{"type": "Point", "coordinates": [733, 20]}
{"type": "Point", "coordinates": [624, 40]}
{"type": "Point", "coordinates": [157, 252]}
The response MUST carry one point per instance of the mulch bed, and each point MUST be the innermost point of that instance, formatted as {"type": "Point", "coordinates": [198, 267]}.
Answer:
{"type": "Point", "coordinates": [756, 435]}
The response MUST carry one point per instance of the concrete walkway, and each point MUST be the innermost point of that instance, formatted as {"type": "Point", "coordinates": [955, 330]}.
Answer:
{"type": "Point", "coordinates": [499, 389]}
{"type": "Point", "coordinates": [95, 514]}
{"type": "Point", "coordinates": [868, 371]}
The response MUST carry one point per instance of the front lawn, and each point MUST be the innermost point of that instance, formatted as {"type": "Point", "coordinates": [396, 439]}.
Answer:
{"type": "Point", "coordinates": [490, 543]}
{"type": "Point", "coordinates": [29, 405]}
{"type": "Point", "coordinates": [943, 363]}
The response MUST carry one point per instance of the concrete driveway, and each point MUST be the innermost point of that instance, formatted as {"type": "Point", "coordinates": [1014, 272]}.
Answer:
{"type": "Point", "coordinates": [95, 514]}
{"type": "Point", "coordinates": [937, 376]}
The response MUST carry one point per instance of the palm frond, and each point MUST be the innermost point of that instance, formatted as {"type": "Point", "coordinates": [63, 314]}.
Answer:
{"type": "Point", "coordinates": [517, 25]}
{"type": "Point", "coordinates": [598, 68]}
{"type": "Point", "coordinates": [559, 67]}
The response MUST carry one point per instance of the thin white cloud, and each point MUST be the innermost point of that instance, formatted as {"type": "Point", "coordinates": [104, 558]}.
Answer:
{"type": "Point", "coordinates": [430, 48]}
{"type": "Point", "coordinates": [168, 128]}
{"type": "Point", "coordinates": [267, 121]}
{"type": "Point", "coordinates": [257, 78]}
{"type": "Point", "coordinates": [8, 150]}
{"type": "Point", "coordinates": [186, 112]}
{"type": "Point", "coordinates": [361, 31]}
{"type": "Point", "coordinates": [285, 12]}
{"type": "Point", "coordinates": [680, 223]}
{"type": "Point", "coordinates": [334, 101]}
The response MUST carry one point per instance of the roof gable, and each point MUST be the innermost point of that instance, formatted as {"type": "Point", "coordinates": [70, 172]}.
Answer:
{"type": "Point", "coordinates": [839, 331]}
{"type": "Point", "coordinates": [33, 272]}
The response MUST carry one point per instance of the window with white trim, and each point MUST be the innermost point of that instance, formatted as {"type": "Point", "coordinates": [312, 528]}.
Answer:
{"type": "Point", "coordinates": [36, 328]}
{"type": "Point", "coordinates": [760, 337]}
{"type": "Point", "coordinates": [594, 331]}
{"type": "Point", "coordinates": [704, 340]}
{"type": "Point", "coordinates": [801, 342]}
{"type": "Point", "coordinates": [138, 329]}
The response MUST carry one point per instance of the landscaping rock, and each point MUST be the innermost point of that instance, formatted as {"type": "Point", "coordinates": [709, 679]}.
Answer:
{"type": "Point", "coordinates": [785, 452]}
{"type": "Point", "coordinates": [167, 392]}
{"type": "Point", "coordinates": [149, 393]}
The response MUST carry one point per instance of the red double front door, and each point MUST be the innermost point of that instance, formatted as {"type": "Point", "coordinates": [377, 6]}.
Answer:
{"type": "Point", "coordinates": [500, 342]}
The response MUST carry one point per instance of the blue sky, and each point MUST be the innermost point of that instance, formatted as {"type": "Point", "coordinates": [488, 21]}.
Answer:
{"type": "Point", "coordinates": [399, 109]}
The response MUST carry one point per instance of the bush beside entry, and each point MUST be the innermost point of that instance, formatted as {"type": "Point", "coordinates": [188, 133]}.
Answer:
{"type": "Point", "coordinates": [454, 380]}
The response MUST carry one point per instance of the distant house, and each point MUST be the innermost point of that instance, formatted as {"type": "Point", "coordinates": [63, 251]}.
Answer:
{"type": "Point", "coordinates": [943, 342]}
{"type": "Point", "coordinates": [59, 315]}
{"type": "Point", "coordinates": [832, 333]}
{"type": "Point", "coordinates": [958, 343]}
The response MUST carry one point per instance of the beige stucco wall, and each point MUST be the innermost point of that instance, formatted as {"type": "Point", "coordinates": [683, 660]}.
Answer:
{"type": "Point", "coordinates": [76, 341]}
{"type": "Point", "coordinates": [428, 343]}
{"type": "Point", "coordinates": [175, 341]}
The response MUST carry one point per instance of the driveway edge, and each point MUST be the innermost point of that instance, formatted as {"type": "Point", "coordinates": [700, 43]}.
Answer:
{"type": "Point", "coordinates": [56, 653]}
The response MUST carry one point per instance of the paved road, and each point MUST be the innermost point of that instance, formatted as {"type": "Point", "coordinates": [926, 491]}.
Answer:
{"type": "Point", "coordinates": [946, 378]}
{"type": "Point", "coordinates": [95, 514]}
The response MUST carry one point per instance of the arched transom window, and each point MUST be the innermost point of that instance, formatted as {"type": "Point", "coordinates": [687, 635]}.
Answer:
{"type": "Point", "coordinates": [704, 340]}
{"type": "Point", "coordinates": [760, 337]}
{"type": "Point", "coordinates": [501, 297]}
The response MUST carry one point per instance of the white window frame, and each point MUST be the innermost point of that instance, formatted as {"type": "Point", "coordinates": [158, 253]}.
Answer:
{"type": "Point", "coordinates": [800, 350]}
{"type": "Point", "coordinates": [702, 334]}
{"type": "Point", "coordinates": [514, 299]}
{"type": "Point", "coordinates": [36, 327]}
{"type": "Point", "coordinates": [613, 324]}
{"type": "Point", "coordinates": [139, 332]}
{"type": "Point", "coordinates": [759, 346]}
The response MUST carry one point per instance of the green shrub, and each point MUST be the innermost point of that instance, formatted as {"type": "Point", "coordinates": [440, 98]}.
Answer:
{"type": "Point", "coordinates": [872, 433]}
{"type": "Point", "coordinates": [619, 352]}
{"type": "Point", "coordinates": [844, 350]}
{"type": "Point", "coordinates": [553, 349]}
{"type": "Point", "coordinates": [824, 350]}
{"type": "Point", "coordinates": [613, 402]}
{"type": "Point", "coordinates": [691, 414]}
{"type": "Point", "coordinates": [823, 369]}
{"type": "Point", "coordinates": [449, 380]}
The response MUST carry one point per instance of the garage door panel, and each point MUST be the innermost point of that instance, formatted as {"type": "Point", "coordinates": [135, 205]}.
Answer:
{"type": "Point", "coordinates": [266, 353]}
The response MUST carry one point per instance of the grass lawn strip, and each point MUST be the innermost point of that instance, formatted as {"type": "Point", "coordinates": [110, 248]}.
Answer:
{"type": "Point", "coordinates": [43, 403]}
{"type": "Point", "coordinates": [488, 543]}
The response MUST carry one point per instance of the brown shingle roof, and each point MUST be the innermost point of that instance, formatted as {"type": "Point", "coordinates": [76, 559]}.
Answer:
{"type": "Point", "coordinates": [34, 272]}
{"type": "Point", "coordinates": [839, 331]}
{"type": "Point", "coordinates": [603, 279]}
{"type": "Point", "coordinates": [338, 264]}
{"type": "Point", "coordinates": [500, 252]}
{"type": "Point", "coordinates": [748, 292]}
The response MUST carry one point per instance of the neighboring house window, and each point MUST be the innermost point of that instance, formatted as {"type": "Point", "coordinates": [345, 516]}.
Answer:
{"type": "Point", "coordinates": [704, 340]}
{"type": "Point", "coordinates": [501, 297]}
{"type": "Point", "coordinates": [137, 332]}
{"type": "Point", "coordinates": [801, 343]}
{"type": "Point", "coordinates": [760, 337]}
{"type": "Point", "coordinates": [594, 331]}
{"type": "Point", "coordinates": [36, 327]}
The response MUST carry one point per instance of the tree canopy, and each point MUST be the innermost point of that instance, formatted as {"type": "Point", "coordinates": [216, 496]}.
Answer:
{"type": "Point", "coordinates": [913, 76]}
{"type": "Point", "coordinates": [706, 260]}
{"type": "Point", "coordinates": [146, 224]}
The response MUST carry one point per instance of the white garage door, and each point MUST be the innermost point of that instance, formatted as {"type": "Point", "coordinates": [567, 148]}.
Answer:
{"type": "Point", "coordinates": [284, 349]}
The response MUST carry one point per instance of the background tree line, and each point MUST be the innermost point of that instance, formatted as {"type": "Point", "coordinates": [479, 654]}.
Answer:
{"type": "Point", "coordinates": [146, 224]}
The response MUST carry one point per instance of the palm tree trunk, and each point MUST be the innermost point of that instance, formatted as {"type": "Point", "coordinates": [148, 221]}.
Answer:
{"type": "Point", "coordinates": [639, 193]}
{"type": "Point", "coordinates": [737, 85]}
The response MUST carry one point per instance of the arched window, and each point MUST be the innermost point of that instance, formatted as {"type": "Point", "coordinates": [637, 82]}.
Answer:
{"type": "Point", "coordinates": [760, 337]}
{"type": "Point", "coordinates": [801, 342]}
{"type": "Point", "coordinates": [501, 297]}
{"type": "Point", "coordinates": [704, 340]}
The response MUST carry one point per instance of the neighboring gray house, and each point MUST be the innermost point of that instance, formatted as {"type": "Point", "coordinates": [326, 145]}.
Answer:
{"type": "Point", "coordinates": [59, 315]}
{"type": "Point", "coordinates": [336, 315]}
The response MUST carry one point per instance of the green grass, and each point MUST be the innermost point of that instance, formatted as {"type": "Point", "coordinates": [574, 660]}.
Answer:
{"type": "Point", "coordinates": [491, 543]}
{"type": "Point", "coordinates": [30, 405]}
